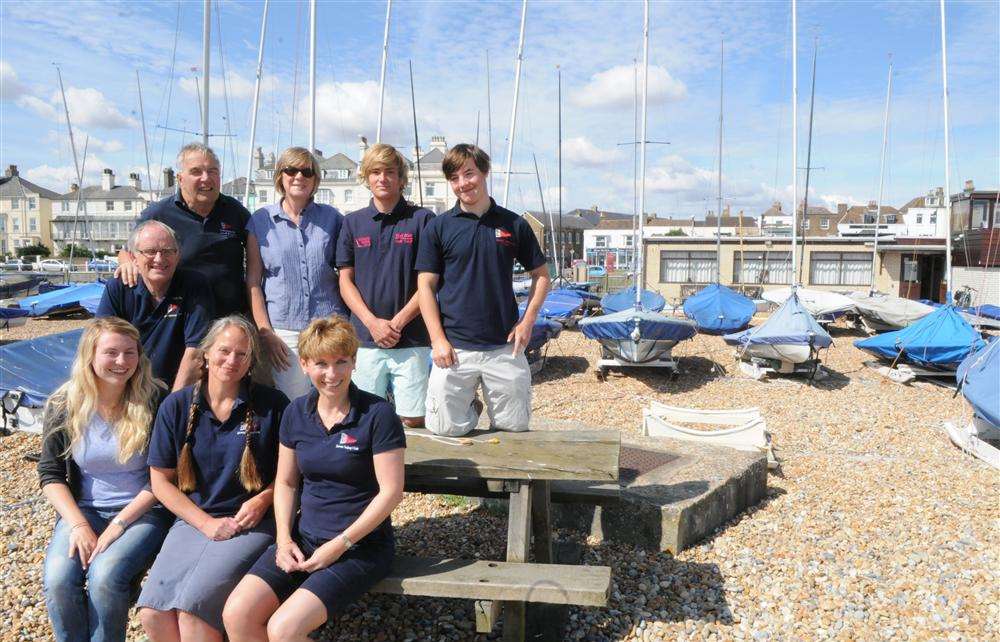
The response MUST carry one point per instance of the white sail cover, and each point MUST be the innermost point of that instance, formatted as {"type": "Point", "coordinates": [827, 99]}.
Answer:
{"type": "Point", "coordinates": [888, 310]}
{"type": "Point", "coordinates": [819, 303]}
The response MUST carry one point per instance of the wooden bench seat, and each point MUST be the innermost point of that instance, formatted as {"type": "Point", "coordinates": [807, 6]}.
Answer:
{"type": "Point", "coordinates": [500, 581]}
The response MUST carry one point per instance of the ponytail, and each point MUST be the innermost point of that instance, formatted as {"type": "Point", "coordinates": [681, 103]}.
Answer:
{"type": "Point", "coordinates": [186, 481]}
{"type": "Point", "coordinates": [249, 475]}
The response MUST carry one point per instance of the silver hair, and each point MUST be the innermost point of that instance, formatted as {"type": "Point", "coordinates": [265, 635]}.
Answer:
{"type": "Point", "coordinates": [133, 237]}
{"type": "Point", "coordinates": [219, 326]}
{"type": "Point", "coordinates": [195, 148]}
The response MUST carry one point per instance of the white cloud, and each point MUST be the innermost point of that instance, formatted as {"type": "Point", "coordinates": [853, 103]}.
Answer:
{"type": "Point", "coordinates": [10, 87]}
{"type": "Point", "coordinates": [59, 178]}
{"type": "Point", "coordinates": [580, 151]}
{"type": "Point", "coordinates": [39, 106]}
{"type": "Point", "coordinates": [88, 107]}
{"type": "Point", "coordinates": [615, 87]}
{"type": "Point", "coordinates": [239, 88]}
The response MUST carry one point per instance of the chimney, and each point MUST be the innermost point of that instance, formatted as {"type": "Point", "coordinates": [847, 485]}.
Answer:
{"type": "Point", "coordinates": [259, 158]}
{"type": "Point", "coordinates": [969, 186]}
{"type": "Point", "coordinates": [438, 142]}
{"type": "Point", "coordinates": [168, 178]}
{"type": "Point", "coordinates": [107, 180]}
{"type": "Point", "coordinates": [318, 153]}
{"type": "Point", "coordinates": [362, 148]}
{"type": "Point", "coordinates": [270, 159]}
{"type": "Point", "coordinates": [73, 187]}
{"type": "Point", "coordinates": [11, 170]}
{"type": "Point", "coordinates": [134, 182]}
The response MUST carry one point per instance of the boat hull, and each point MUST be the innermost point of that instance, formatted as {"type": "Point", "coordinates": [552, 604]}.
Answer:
{"type": "Point", "coordinates": [638, 352]}
{"type": "Point", "coordinates": [788, 353]}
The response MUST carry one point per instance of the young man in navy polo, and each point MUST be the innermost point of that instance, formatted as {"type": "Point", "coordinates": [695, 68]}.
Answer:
{"type": "Point", "coordinates": [465, 287]}
{"type": "Point", "coordinates": [210, 228]}
{"type": "Point", "coordinates": [376, 252]}
{"type": "Point", "coordinates": [171, 309]}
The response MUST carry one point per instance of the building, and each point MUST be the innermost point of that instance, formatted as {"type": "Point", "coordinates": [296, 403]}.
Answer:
{"type": "Point", "coordinates": [568, 230]}
{"type": "Point", "coordinates": [925, 215]}
{"type": "Point", "coordinates": [339, 185]}
{"type": "Point", "coordinates": [975, 243]}
{"type": "Point", "coordinates": [106, 214]}
{"type": "Point", "coordinates": [25, 212]}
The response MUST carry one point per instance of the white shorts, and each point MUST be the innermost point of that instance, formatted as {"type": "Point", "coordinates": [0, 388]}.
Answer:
{"type": "Point", "coordinates": [404, 369]}
{"type": "Point", "coordinates": [293, 382]}
{"type": "Point", "coordinates": [506, 382]}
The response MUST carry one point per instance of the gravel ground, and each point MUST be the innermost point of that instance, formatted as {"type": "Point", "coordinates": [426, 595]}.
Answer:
{"type": "Point", "coordinates": [878, 528]}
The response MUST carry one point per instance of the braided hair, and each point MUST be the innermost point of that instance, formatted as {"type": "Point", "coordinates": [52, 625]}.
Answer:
{"type": "Point", "coordinates": [185, 463]}
{"type": "Point", "coordinates": [249, 475]}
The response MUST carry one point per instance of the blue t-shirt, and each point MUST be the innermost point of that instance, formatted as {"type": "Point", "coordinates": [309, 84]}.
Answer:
{"type": "Point", "coordinates": [300, 281]}
{"type": "Point", "coordinates": [474, 257]}
{"type": "Point", "coordinates": [218, 446]}
{"type": "Point", "coordinates": [178, 321]}
{"type": "Point", "coordinates": [382, 249]}
{"type": "Point", "coordinates": [338, 472]}
{"type": "Point", "coordinates": [211, 245]}
{"type": "Point", "coordinates": [105, 482]}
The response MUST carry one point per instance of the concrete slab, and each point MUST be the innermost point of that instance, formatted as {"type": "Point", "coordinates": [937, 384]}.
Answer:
{"type": "Point", "coordinates": [672, 493]}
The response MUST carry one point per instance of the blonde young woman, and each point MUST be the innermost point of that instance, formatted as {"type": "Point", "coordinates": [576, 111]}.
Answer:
{"type": "Point", "coordinates": [291, 278]}
{"type": "Point", "coordinates": [93, 472]}
{"type": "Point", "coordinates": [212, 459]}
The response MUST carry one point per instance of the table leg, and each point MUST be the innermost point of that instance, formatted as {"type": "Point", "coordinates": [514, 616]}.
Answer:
{"type": "Point", "coordinates": [541, 523]}
{"type": "Point", "coordinates": [519, 521]}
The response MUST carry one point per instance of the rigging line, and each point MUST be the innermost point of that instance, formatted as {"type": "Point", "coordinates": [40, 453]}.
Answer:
{"type": "Point", "coordinates": [168, 92]}
{"type": "Point", "coordinates": [295, 74]}
{"type": "Point", "coordinates": [226, 144]}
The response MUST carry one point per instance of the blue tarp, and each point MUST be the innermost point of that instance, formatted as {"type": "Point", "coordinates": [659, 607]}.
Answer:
{"type": "Point", "coordinates": [542, 332]}
{"type": "Point", "coordinates": [625, 300]}
{"type": "Point", "coordinates": [979, 380]}
{"type": "Point", "coordinates": [717, 309]}
{"type": "Point", "coordinates": [38, 366]}
{"type": "Point", "coordinates": [62, 299]}
{"type": "Point", "coordinates": [986, 311]}
{"type": "Point", "coordinates": [652, 326]}
{"type": "Point", "coordinates": [555, 306]}
{"type": "Point", "coordinates": [942, 339]}
{"type": "Point", "coordinates": [791, 324]}
{"type": "Point", "coordinates": [12, 313]}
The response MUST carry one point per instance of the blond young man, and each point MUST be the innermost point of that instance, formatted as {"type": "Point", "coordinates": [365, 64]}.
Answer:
{"type": "Point", "coordinates": [376, 253]}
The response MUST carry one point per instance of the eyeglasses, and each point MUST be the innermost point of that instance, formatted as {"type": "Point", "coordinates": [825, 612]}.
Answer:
{"type": "Point", "coordinates": [292, 171]}
{"type": "Point", "coordinates": [167, 252]}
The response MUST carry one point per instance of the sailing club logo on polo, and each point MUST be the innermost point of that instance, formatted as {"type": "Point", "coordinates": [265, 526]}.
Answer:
{"type": "Point", "coordinates": [402, 238]}
{"type": "Point", "coordinates": [226, 230]}
{"type": "Point", "coordinates": [504, 237]}
{"type": "Point", "coordinates": [348, 442]}
{"type": "Point", "coordinates": [363, 241]}
{"type": "Point", "coordinates": [173, 309]}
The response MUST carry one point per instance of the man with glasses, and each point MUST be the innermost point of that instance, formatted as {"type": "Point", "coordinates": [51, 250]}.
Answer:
{"type": "Point", "coordinates": [210, 228]}
{"type": "Point", "coordinates": [171, 308]}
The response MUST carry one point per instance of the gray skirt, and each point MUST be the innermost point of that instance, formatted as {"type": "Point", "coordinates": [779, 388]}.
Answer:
{"type": "Point", "coordinates": [195, 574]}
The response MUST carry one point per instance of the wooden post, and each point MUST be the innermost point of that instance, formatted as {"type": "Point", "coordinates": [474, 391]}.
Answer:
{"type": "Point", "coordinates": [541, 523]}
{"type": "Point", "coordinates": [518, 544]}
{"type": "Point", "coordinates": [487, 614]}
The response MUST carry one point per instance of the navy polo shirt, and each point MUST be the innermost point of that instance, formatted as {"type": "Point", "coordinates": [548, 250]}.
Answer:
{"type": "Point", "coordinates": [178, 321]}
{"type": "Point", "coordinates": [212, 245]}
{"type": "Point", "coordinates": [338, 472]}
{"type": "Point", "coordinates": [382, 249]}
{"type": "Point", "coordinates": [218, 446]}
{"type": "Point", "coordinates": [474, 256]}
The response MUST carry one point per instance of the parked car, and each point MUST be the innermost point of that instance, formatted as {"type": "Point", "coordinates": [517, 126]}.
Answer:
{"type": "Point", "coordinates": [50, 265]}
{"type": "Point", "coordinates": [15, 265]}
{"type": "Point", "coordinates": [105, 264]}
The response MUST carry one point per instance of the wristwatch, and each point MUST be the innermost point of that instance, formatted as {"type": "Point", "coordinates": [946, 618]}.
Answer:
{"type": "Point", "coordinates": [347, 541]}
{"type": "Point", "coordinates": [120, 523]}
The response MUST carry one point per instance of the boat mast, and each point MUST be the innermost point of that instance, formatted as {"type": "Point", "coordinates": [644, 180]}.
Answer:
{"type": "Point", "coordinates": [256, 102]}
{"type": "Point", "coordinates": [381, 82]}
{"type": "Point", "coordinates": [809, 149]}
{"type": "Point", "coordinates": [206, 40]}
{"type": "Point", "coordinates": [312, 76]}
{"type": "Point", "coordinates": [416, 138]}
{"type": "Point", "coordinates": [489, 116]}
{"type": "Point", "coordinates": [718, 207]}
{"type": "Point", "coordinates": [76, 164]}
{"type": "Point", "coordinates": [513, 111]}
{"type": "Point", "coordinates": [546, 213]}
{"type": "Point", "coordinates": [145, 141]}
{"type": "Point", "coordinates": [635, 166]}
{"type": "Point", "coordinates": [640, 281]}
{"type": "Point", "coordinates": [947, 159]}
{"type": "Point", "coordinates": [795, 142]}
{"type": "Point", "coordinates": [881, 174]}
{"type": "Point", "coordinates": [559, 264]}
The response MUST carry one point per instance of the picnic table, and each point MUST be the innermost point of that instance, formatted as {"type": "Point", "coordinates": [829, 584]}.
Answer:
{"type": "Point", "coordinates": [522, 467]}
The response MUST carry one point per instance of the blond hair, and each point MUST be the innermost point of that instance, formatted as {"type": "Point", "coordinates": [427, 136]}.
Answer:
{"type": "Point", "coordinates": [333, 335]}
{"type": "Point", "coordinates": [249, 473]}
{"type": "Point", "coordinates": [76, 400]}
{"type": "Point", "coordinates": [380, 156]}
{"type": "Point", "coordinates": [296, 157]}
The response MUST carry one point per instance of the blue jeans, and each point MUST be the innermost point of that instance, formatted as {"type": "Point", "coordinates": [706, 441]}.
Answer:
{"type": "Point", "coordinates": [92, 605]}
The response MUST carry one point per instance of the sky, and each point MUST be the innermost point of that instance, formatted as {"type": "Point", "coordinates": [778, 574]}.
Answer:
{"type": "Point", "coordinates": [100, 46]}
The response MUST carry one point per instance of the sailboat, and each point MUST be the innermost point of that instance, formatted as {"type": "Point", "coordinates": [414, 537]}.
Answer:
{"type": "Point", "coordinates": [717, 309]}
{"type": "Point", "coordinates": [638, 335]}
{"type": "Point", "coordinates": [977, 379]}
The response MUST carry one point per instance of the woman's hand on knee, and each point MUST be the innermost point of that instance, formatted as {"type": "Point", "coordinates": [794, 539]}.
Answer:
{"type": "Point", "coordinates": [289, 557]}
{"type": "Point", "coordinates": [82, 541]}
{"type": "Point", "coordinates": [219, 528]}
{"type": "Point", "coordinates": [109, 535]}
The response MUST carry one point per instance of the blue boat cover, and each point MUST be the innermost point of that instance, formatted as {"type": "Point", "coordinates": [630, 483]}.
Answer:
{"type": "Point", "coordinates": [717, 309]}
{"type": "Point", "coordinates": [791, 324]}
{"type": "Point", "coordinates": [542, 332]}
{"type": "Point", "coordinates": [555, 306]}
{"type": "Point", "coordinates": [978, 378]}
{"type": "Point", "coordinates": [13, 313]}
{"type": "Point", "coordinates": [652, 326]}
{"type": "Point", "coordinates": [38, 366]}
{"type": "Point", "coordinates": [986, 311]}
{"type": "Point", "coordinates": [61, 299]}
{"type": "Point", "coordinates": [942, 338]}
{"type": "Point", "coordinates": [625, 300]}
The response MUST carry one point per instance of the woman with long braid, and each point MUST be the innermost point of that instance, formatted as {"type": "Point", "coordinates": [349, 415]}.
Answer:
{"type": "Point", "coordinates": [212, 462]}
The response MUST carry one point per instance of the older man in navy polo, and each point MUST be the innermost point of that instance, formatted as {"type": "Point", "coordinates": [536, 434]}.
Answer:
{"type": "Point", "coordinates": [171, 308]}
{"type": "Point", "coordinates": [211, 228]}
{"type": "Point", "coordinates": [465, 286]}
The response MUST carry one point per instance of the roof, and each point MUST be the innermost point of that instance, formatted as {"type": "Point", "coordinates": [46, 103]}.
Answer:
{"type": "Point", "coordinates": [433, 157]}
{"type": "Point", "coordinates": [595, 215]}
{"type": "Point", "coordinates": [338, 161]}
{"type": "Point", "coordinates": [567, 221]}
{"type": "Point", "coordinates": [15, 187]}
{"type": "Point", "coordinates": [914, 202]}
{"type": "Point", "coordinates": [98, 193]}
{"type": "Point", "coordinates": [236, 187]}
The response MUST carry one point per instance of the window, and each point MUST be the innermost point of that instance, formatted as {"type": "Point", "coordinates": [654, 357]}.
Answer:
{"type": "Point", "coordinates": [980, 215]}
{"type": "Point", "coordinates": [15, 224]}
{"type": "Point", "coordinates": [324, 196]}
{"type": "Point", "coordinates": [429, 189]}
{"type": "Point", "coordinates": [920, 218]}
{"type": "Point", "coordinates": [14, 203]}
{"type": "Point", "coordinates": [340, 174]}
{"type": "Point", "coordinates": [840, 268]}
{"type": "Point", "coordinates": [763, 267]}
{"type": "Point", "coordinates": [31, 202]}
{"type": "Point", "coordinates": [65, 206]}
{"type": "Point", "coordinates": [824, 224]}
{"type": "Point", "coordinates": [629, 241]}
{"type": "Point", "coordinates": [910, 266]}
{"type": "Point", "coordinates": [32, 224]}
{"type": "Point", "coordinates": [890, 219]}
{"type": "Point", "coordinates": [128, 206]}
{"type": "Point", "coordinates": [600, 241]}
{"type": "Point", "coordinates": [805, 224]}
{"type": "Point", "coordinates": [109, 206]}
{"type": "Point", "coordinates": [263, 196]}
{"type": "Point", "coordinates": [348, 194]}
{"type": "Point", "coordinates": [934, 217]}
{"type": "Point", "coordinates": [687, 267]}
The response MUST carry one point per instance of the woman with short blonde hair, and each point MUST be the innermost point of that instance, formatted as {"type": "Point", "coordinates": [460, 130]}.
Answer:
{"type": "Point", "coordinates": [212, 459]}
{"type": "Point", "coordinates": [93, 472]}
{"type": "Point", "coordinates": [291, 277]}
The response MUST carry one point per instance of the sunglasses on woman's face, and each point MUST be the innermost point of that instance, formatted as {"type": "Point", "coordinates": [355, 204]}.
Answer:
{"type": "Point", "coordinates": [292, 171]}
